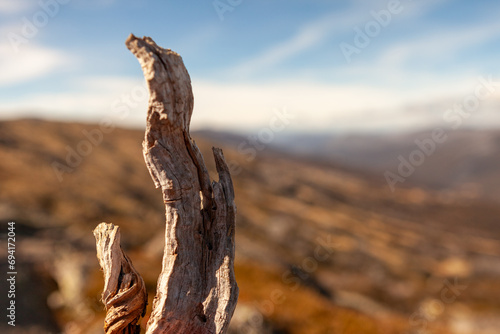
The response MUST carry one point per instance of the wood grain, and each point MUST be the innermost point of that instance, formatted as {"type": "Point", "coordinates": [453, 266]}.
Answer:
{"type": "Point", "coordinates": [196, 290]}
{"type": "Point", "coordinates": [124, 292]}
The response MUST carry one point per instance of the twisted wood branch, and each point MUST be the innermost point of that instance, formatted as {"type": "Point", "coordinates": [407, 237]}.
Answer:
{"type": "Point", "coordinates": [124, 292]}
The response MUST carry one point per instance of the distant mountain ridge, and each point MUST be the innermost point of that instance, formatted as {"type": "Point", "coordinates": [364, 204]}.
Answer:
{"type": "Point", "coordinates": [464, 161]}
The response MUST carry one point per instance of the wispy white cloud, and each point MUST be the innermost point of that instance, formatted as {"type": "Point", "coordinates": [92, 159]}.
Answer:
{"type": "Point", "coordinates": [15, 6]}
{"type": "Point", "coordinates": [440, 44]}
{"type": "Point", "coordinates": [391, 93]}
{"type": "Point", "coordinates": [251, 106]}
{"type": "Point", "coordinates": [324, 28]}
{"type": "Point", "coordinates": [315, 104]}
{"type": "Point", "coordinates": [109, 85]}
{"type": "Point", "coordinates": [122, 99]}
{"type": "Point", "coordinates": [227, 105]}
{"type": "Point", "coordinates": [22, 57]}
{"type": "Point", "coordinates": [32, 63]}
{"type": "Point", "coordinates": [307, 36]}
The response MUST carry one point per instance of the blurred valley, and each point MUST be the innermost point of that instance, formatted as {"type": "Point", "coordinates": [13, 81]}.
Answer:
{"type": "Point", "coordinates": [466, 161]}
{"type": "Point", "coordinates": [322, 243]}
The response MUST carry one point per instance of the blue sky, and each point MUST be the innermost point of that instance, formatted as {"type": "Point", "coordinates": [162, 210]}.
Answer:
{"type": "Point", "coordinates": [66, 60]}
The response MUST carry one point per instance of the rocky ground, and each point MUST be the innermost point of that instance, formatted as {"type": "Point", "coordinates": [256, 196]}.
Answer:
{"type": "Point", "coordinates": [319, 249]}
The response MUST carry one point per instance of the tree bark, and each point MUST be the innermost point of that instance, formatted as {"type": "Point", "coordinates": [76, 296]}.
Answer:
{"type": "Point", "coordinates": [124, 292]}
{"type": "Point", "coordinates": [197, 290]}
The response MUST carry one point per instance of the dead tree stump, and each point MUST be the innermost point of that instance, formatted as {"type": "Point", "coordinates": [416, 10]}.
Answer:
{"type": "Point", "coordinates": [197, 290]}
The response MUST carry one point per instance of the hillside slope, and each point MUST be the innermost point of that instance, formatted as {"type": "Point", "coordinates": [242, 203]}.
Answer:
{"type": "Point", "coordinates": [465, 161]}
{"type": "Point", "coordinates": [319, 250]}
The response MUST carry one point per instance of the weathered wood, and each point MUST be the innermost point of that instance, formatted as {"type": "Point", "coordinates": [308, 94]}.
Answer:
{"type": "Point", "coordinates": [197, 290]}
{"type": "Point", "coordinates": [124, 292]}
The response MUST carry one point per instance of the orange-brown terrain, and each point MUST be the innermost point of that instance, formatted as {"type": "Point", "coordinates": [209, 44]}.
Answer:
{"type": "Point", "coordinates": [319, 249]}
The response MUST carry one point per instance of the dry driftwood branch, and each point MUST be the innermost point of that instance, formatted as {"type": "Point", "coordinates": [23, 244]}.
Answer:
{"type": "Point", "coordinates": [196, 291]}
{"type": "Point", "coordinates": [124, 292]}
